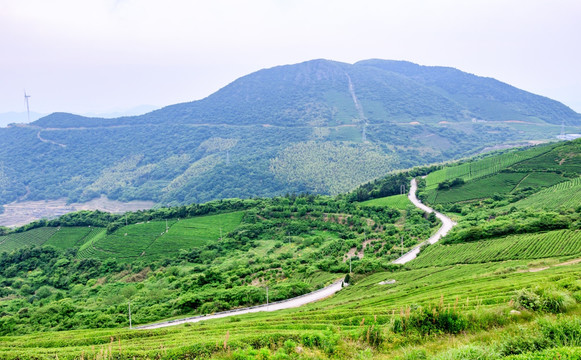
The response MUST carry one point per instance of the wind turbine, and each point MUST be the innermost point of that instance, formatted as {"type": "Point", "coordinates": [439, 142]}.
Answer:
{"type": "Point", "coordinates": [27, 107]}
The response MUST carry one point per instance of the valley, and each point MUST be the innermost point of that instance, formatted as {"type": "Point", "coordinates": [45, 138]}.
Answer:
{"type": "Point", "coordinates": [501, 284]}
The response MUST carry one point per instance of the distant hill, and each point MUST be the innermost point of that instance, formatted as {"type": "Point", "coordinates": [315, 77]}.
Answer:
{"type": "Point", "coordinates": [319, 126]}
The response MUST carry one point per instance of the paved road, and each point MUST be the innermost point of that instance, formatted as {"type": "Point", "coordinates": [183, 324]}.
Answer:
{"type": "Point", "coordinates": [447, 225]}
{"type": "Point", "coordinates": [285, 304]}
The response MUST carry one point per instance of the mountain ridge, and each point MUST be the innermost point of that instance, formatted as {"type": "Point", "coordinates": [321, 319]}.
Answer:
{"type": "Point", "coordinates": [316, 71]}
{"type": "Point", "coordinates": [275, 131]}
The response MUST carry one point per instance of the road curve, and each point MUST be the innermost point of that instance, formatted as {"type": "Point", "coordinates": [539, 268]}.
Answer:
{"type": "Point", "coordinates": [447, 225]}
{"type": "Point", "coordinates": [279, 305]}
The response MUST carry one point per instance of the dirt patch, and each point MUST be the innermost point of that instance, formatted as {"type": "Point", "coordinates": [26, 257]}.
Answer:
{"type": "Point", "coordinates": [140, 276]}
{"type": "Point", "coordinates": [387, 282]}
{"type": "Point", "coordinates": [360, 254]}
{"type": "Point", "coordinates": [23, 212]}
{"type": "Point", "coordinates": [570, 262]}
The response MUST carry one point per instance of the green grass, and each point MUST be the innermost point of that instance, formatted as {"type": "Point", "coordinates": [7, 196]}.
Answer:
{"type": "Point", "coordinates": [34, 237]}
{"type": "Point", "coordinates": [400, 202]}
{"type": "Point", "coordinates": [87, 249]}
{"type": "Point", "coordinates": [516, 247]}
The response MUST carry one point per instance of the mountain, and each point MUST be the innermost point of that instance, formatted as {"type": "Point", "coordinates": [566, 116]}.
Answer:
{"type": "Point", "coordinates": [319, 126]}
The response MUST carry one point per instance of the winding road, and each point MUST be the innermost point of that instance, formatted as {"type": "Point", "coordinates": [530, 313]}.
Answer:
{"type": "Point", "coordinates": [320, 294]}
{"type": "Point", "coordinates": [279, 305]}
{"type": "Point", "coordinates": [447, 225]}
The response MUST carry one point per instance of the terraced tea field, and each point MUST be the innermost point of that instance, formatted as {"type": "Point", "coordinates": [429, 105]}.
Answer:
{"type": "Point", "coordinates": [68, 237]}
{"type": "Point", "coordinates": [566, 194]}
{"type": "Point", "coordinates": [400, 202]}
{"type": "Point", "coordinates": [150, 239]}
{"type": "Point", "coordinates": [484, 167]}
{"type": "Point", "coordinates": [194, 232]}
{"type": "Point", "coordinates": [517, 247]}
{"type": "Point", "coordinates": [472, 289]}
{"type": "Point", "coordinates": [34, 237]}
{"type": "Point", "coordinates": [477, 189]}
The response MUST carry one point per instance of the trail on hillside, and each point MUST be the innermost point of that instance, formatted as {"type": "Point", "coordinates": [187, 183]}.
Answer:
{"type": "Point", "coordinates": [358, 106]}
{"type": "Point", "coordinates": [447, 225]}
{"type": "Point", "coordinates": [49, 141]}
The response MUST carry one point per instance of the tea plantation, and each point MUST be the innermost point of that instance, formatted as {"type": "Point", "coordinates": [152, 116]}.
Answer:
{"type": "Point", "coordinates": [503, 284]}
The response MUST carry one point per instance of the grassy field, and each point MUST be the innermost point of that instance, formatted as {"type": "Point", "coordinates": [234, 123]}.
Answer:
{"type": "Point", "coordinates": [517, 247]}
{"type": "Point", "coordinates": [400, 202]}
{"type": "Point", "coordinates": [333, 328]}
{"type": "Point", "coordinates": [34, 237]}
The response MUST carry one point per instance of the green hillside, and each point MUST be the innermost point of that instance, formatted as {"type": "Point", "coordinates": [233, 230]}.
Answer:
{"type": "Point", "coordinates": [288, 129]}
{"type": "Point", "coordinates": [565, 194]}
{"type": "Point", "coordinates": [400, 202]}
{"type": "Point", "coordinates": [503, 284]}
{"type": "Point", "coordinates": [506, 174]}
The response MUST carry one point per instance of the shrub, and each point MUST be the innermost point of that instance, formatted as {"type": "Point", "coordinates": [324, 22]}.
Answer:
{"type": "Point", "coordinates": [469, 352]}
{"type": "Point", "coordinates": [522, 343]}
{"type": "Point", "coordinates": [527, 299]}
{"type": "Point", "coordinates": [547, 299]}
{"type": "Point", "coordinates": [415, 354]}
{"type": "Point", "coordinates": [562, 332]}
{"type": "Point", "coordinates": [431, 320]}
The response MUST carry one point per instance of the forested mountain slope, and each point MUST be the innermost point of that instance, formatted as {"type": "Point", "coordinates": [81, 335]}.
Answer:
{"type": "Point", "coordinates": [319, 126]}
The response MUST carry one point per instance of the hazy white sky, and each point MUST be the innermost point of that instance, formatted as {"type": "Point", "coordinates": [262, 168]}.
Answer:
{"type": "Point", "coordinates": [100, 55]}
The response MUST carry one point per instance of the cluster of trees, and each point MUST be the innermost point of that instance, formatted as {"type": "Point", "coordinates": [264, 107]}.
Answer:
{"type": "Point", "coordinates": [483, 225]}
{"type": "Point", "coordinates": [447, 184]}
{"type": "Point", "coordinates": [391, 184]}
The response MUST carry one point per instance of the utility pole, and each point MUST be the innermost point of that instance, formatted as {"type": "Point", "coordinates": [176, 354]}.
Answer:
{"type": "Point", "coordinates": [129, 304]}
{"type": "Point", "coordinates": [267, 295]}
{"type": "Point", "coordinates": [402, 245]}
{"type": "Point", "coordinates": [349, 264]}
{"type": "Point", "coordinates": [125, 219]}
{"type": "Point", "coordinates": [166, 227]}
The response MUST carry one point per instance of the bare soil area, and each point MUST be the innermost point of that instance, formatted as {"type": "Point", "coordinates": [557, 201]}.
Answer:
{"type": "Point", "coordinates": [23, 212]}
